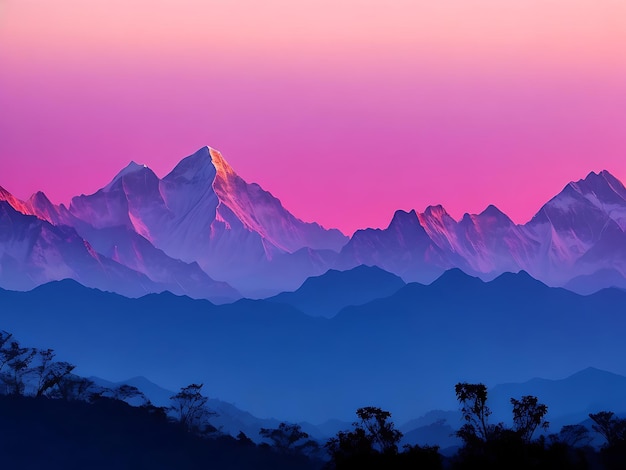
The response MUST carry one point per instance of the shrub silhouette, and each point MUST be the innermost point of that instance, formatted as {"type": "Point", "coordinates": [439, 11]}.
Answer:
{"type": "Point", "coordinates": [373, 443]}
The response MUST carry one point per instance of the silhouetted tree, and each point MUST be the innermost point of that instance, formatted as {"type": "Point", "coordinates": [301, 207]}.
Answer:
{"type": "Point", "coordinates": [17, 360]}
{"type": "Point", "coordinates": [5, 337]}
{"type": "Point", "coordinates": [609, 426]}
{"type": "Point", "coordinates": [348, 449]}
{"type": "Point", "coordinates": [373, 443]}
{"type": "Point", "coordinates": [569, 448]}
{"type": "Point", "coordinates": [75, 388]}
{"type": "Point", "coordinates": [130, 394]}
{"type": "Point", "coordinates": [189, 407]}
{"type": "Point", "coordinates": [613, 429]}
{"type": "Point", "coordinates": [289, 439]}
{"type": "Point", "coordinates": [473, 401]}
{"type": "Point", "coordinates": [5, 355]}
{"type": "Point", "coordinates": [528, 415]}
{"type": "Point", "coordinates": [49, 372]}
{"type": "Point", "coordinates": [379, 429]}
{"type": "Point", "coordinates": [495, 447]}
{"type": "Point", "coordinates": [573, 435]}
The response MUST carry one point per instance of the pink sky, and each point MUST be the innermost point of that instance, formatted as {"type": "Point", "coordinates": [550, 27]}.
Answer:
{"type": "Point", "coordinates": [345, 110]}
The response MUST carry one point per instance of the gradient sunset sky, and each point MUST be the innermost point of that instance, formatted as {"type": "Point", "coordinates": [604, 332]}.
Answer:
{"type": "Point", "coordinates": [344, 110]}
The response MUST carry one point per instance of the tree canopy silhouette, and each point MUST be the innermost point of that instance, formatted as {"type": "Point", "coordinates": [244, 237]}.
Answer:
{"type": "Point", "coordinates": [189, 407]}
{"type": "Point", "coordinates": [373, 443]}
{"type": "Point", "coordinates": [528, 415]}
{"type": "Point", "coordinates": [289, 439]}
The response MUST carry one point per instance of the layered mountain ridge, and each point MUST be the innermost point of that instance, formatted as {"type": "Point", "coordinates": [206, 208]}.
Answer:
{"type": "Point", "coordinates": [403, 352]}
{"type": "Point", "coordinates": [574, 240]}
{"type": "Point", "coordinates": [203, 231]}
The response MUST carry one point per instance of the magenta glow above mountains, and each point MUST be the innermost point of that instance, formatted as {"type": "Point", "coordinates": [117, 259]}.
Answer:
{"type": "Point", "coordinates": [203, 231]}
{"type": "Point", "coordinates": [346, 109]}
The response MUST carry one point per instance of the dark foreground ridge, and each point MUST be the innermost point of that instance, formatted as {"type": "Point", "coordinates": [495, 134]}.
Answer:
{"type": "Point", "coordinates": [51, 418]}
{"type": "Point", "coordinates": [107, 433]}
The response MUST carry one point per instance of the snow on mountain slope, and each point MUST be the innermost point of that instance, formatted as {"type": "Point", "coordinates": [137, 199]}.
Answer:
{"type": "Point", "coordinates": [605, 192]}
{"type": "Point", "coordinates": [205, 179]}
{"type": "Point", "coordinates": [485, 243]}
{"type": "Point", "coordinates": [577, 233]}
{"type": "Point", "coordinates": [120, 243]}
{"type": "Point", "coordinates": [33, 252]}
{"type": "Point", "coordinates": [491, 243]}
{"type": "Point", "coordinates": [403, 248]}
{"type": "Point", "coordinates": [579, 230]}
{"type": "Point", "coordinates": [203, 212]}
{"type": "Point", "coordinates": [203, 222]}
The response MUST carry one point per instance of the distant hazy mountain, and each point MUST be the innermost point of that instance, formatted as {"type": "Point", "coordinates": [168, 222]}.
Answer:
{"type": "Point", "coordinates": [228, 418]}
{"type": "Point", "coordinates": [574, 240]}
{"type": "Point", "coordinates": [569, 400]}
{"type": "Point", "coordinates": [600, 279]}
{"type": "Point", "coordinates": [327, 294]}
{"type": "Point", "coordinates": [404, 352]}
{"type": "Point", "coordinates": [439, 433]}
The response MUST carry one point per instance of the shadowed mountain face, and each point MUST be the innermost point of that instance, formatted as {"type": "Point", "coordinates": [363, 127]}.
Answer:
{"type": "Point", "coordinates": [403, 353]}
{"type": "Point", "coordinates": [203, 231]}
{"type": "Point", "coordinates": [326, 295]}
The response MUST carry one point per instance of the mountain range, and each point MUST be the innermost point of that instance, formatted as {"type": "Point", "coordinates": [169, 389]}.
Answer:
{"type": "Point", "coordinates": [569, 401]}
{"type": "Point", "coordinates": [576, 240]}
{"type": "Point", "coordinates": [204, 232]}
{"type": "Point", "coordinates": [403, 352]}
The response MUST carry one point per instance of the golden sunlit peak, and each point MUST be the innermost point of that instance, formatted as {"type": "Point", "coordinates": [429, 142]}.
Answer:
{"type": "Point", "coordinates": [221, 166]}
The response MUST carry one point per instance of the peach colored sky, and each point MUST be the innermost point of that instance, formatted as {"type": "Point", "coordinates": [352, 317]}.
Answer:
{"type": "Point", "coordinates": [345, 110]}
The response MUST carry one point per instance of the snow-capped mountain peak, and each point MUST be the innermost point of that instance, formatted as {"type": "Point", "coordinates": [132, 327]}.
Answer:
{"type": "Point", "coordinates": [601, 188]}
{"type": "Point", "coordinates": [204, 221]}
{"type": "Point", "coordinates": [598, 196]}
{"type": "Point", "coordinates": [196, 168]}
{"type": "Point", "coordinates": [203, 212]}
{"type": "Point", "coordinates": [129, 169]}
